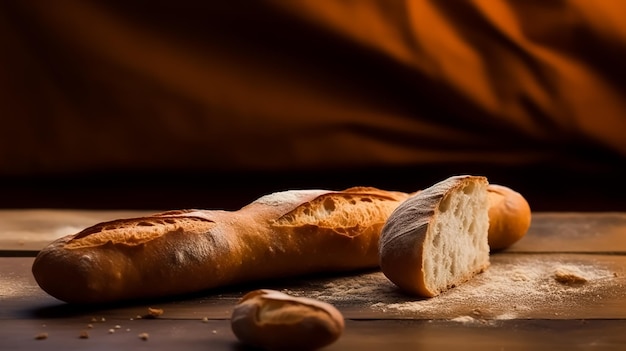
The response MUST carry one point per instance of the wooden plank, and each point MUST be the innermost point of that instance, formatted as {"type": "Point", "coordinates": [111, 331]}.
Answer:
{"type": "Point", "coordinates": [516, 286]}
{"type": "Point", "coordinates": [516, 304]}
{"type": "Point", "coordinates": [496, 335]}
{"type": "Point", "coordinates": [574, 232]}
{"type": "Point", "coordinates": [32, 229]}
{"type": "Point", "coordinates": [364, 335]}
{"type": "Point", "coordinates": [64, 334]}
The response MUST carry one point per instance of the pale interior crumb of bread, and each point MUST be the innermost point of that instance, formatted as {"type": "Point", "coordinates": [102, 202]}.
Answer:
{"type": "Point", "coordinates": [456, 247]}
{"type": "Point", "coordinates": [134, 232]}
{"type": "Point", "coordinates": [338, 211]}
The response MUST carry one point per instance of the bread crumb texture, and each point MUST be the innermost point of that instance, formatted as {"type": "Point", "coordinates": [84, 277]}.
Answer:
{"type": "Point", "coordinates": [437, 239]}
{"type": "Point", "coordinates": [458, 247]}
{"type": "Point", "coordinates": [136, 231]}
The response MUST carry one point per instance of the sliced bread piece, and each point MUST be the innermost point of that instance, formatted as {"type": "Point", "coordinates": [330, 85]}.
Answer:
{"type": "Point", "coordinates": [437, 239]}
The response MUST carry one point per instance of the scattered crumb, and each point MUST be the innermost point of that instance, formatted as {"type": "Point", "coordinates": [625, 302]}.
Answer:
{"type": "Point", "coordinates": [89, 326]}
{"type": "Point", "coordinates": [118, 327]}
{"type": "Point", "coordinates": [205, 319]}
{"type": "Point", "coordinates": [506, 316]}
{"type": "Point", "coordinates": [127, 329]}
{"type": "Point", "coordinates": [43, 325]}
{"type": "Point", "coordinates": [83, 335]}
{"type": "Point", "coordinates": [214, 331]}
{"type": "Point", "coordinates": [154, 312]}
{"type": "Point", "coordinates": [506, 290]}
{"type": "Point", "coordinates": [102, 319]}
{"type": "Point", "coordinates": [93, 320]}
{"type": "Point", "coordinates": [143, 336]}
{"type": "Point", "coordinates": [111, 331]}
{"type": "Point", "coordinates": [464, 319]}
{"type": "Point", "coordinates": [519, 275]}
{"type": "Point", "coordinates": [569, 275]}
{"type": "Point", "coordinates": [41, 336]}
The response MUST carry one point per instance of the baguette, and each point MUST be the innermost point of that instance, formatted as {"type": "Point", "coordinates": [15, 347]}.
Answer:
{"type": "Point", "coordinates": [280, 235]}
{"type": "Point", "coordinates": [437, 239]}
{"type": "Point", "coordinates": [509, 216]}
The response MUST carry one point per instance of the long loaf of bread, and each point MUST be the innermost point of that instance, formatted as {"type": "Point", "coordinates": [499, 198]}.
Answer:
{"type": "Point", "coordinates": [280, 235]}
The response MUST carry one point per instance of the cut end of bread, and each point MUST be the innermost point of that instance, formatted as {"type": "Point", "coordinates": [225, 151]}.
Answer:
{"type": "Point", "coordinates": [456, 239]}
{"type": "Point", "coordinates": [437, 239]}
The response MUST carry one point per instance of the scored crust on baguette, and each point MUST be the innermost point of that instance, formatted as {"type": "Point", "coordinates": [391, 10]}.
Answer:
{"type": "Point", "coordinates": [137, 231]}
{"type": "Point", "coordinates": [347, 213]}
{"type": "Point", "coordinates": [284, 234]}
{"type": "Point", "coordinates": [437, 239]}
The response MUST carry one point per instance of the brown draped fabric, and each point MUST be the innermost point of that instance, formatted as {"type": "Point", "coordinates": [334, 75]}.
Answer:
{"type": "Point", "coordinates": [88, 86]}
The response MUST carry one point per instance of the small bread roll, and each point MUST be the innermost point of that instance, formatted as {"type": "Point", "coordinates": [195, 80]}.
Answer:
{"type": "Point", "coordinates": [437, 238]}
{"type": "Point", "coordinates": [273, 320]}
{"type": "Point", "coordinates": [509, 216]}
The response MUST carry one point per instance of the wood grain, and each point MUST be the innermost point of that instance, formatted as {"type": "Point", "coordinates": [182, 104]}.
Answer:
{"type": "Point", "coordinates": [516, 286]}
{"type": "Point", "coordinates": [517, 303]}
{"type": "Point", "coordinates": [362, 335]}
{"type": "Point", "coordinates": [575, 232]}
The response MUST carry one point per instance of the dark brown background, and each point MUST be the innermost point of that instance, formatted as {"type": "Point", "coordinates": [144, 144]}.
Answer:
{"type": "Point", "coordinates": [211, 105]}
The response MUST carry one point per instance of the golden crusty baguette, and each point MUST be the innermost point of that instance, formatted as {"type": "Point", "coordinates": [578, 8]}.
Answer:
{"type": "Point", "coordinates": [280, 235]}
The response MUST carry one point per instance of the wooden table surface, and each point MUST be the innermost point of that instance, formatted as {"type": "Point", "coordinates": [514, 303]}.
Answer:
{"type": "Point", "coordinates": [517, 304]}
